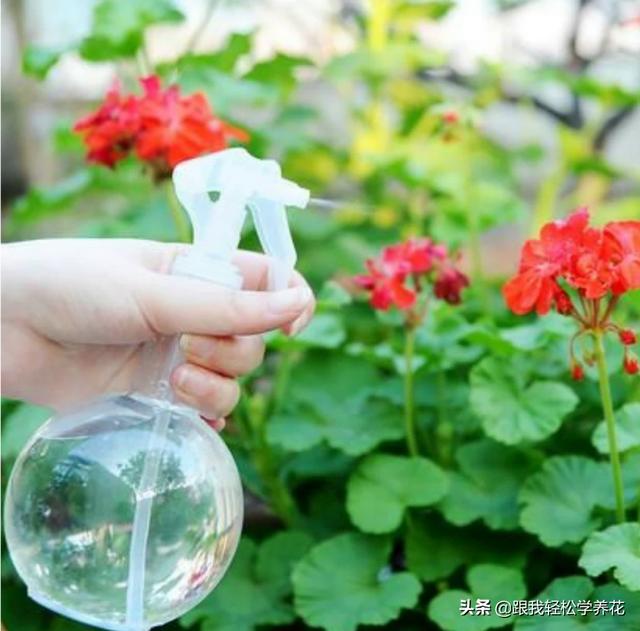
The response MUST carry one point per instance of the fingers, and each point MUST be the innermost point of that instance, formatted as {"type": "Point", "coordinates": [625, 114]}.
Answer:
{"type": "Point", "coordinates": [230, 356]}
{"type": "Point", "coordinates": [174, 304]}
{"type": "Point", "coordinates": [213, 395]}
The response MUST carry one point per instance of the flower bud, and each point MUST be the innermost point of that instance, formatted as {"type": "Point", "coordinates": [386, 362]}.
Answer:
{"type": "Point", "coordinates": [564, 306]}
{"type": "Point", "coordinates": [630, 364]}
{"type": "Point", "coordinates": [577, 372]}
{"type": "Point", "coordinates": [627, 337]}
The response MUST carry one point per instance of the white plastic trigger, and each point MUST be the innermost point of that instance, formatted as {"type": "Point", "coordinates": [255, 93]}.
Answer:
{"type": "Point", "coordinates": [240, 181]}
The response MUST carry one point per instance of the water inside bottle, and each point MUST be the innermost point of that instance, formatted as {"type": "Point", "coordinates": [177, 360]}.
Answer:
{"type": "Point", "coordinates": [72, 499]}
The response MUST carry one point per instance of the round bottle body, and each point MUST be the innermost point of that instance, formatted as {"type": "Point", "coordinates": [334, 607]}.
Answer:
{"type": "Point", "coordinates": [72, 499]}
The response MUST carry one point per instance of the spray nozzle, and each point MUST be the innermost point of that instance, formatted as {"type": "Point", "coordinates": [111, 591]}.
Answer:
{"type": "Point", "coordinates": [216, 190]}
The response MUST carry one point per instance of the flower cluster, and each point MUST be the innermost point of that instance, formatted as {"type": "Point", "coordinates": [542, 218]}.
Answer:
{"type": "Point", "coordinates": [161, 126]}
{"type": "Point", "coordinates": [396, 277]}
{"type": "Point", "coordinates": [581, 271]}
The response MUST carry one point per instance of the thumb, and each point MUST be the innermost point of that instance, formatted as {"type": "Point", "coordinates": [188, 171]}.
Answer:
{"type": "Point", "coordinates": [174, 304]}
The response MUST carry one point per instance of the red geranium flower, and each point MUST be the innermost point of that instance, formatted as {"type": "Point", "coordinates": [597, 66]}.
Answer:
{"type": "Point", "coordinates": [595, 265]}
{"type": "Point", "coordinates": [174, 128]}
{"type": "Point", "coordinates": [162, 126]}
{"type": "Point", "coordinates": [110, 131]}
{"type": "Point", "coordinates": [395, 278]}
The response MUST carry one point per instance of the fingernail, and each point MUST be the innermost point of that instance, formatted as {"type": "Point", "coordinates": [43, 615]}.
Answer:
{"type": "Point", "coordinates": [191, 381]}
{"type": "Point", "coordinates": [186, 341]}
{"type": "Point", "coordinates": [289, 299]}
{"type": "Point", "coordinates": [196, 346]}
{"type": "Point", "coordinates": [296, 327]}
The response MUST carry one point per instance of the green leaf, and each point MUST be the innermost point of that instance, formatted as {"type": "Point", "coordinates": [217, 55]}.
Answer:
{"type": "Point", "coordinates": [19, 426]}
{"type": "Point", "coordinates": [485, 581]}
{"type": "Point", "coordinates": [616, 547]}
{"type": "Point", "coordinates": [326, 330]}
{"type": "Point", "coordinates": [575, 589]}
{"type": "Point", "coordinates": [487, 485]}
{"type": "Point", "coordinates": [118, 27]}
{"type": "Point", "coordinates": [342, 410]}
{"type": "Point", "coordinates": [355, 426]}
{"type": "Point", "coordinates": [226, 58]}
{"type": "Point", "coordinates": [560, 499]}
{"type": "Point", "coordinates": [278, 71]}
{"type": "Point", "coordinates": [345, 582]}
{"type": "Point", "coordinates": [256, 589]}
{"type": "Point", "coordinates": [383, 487]}
{"type": "Point", "coordinates": [37, 60]}
{"type": "Point", "coordinates": [41, 202]}
{"type": "Point", "coordinates": [511, 408]}
{"type": "Point", "coordinates": [627, 430]}
{"type": "Point", "coordinates": [333, 296]}
{"type": "Point", "coordinates": [434, 549]}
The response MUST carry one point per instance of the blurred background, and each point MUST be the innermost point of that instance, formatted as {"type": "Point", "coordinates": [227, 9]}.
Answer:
{"type": "Point", "coordinates": [554, 83]}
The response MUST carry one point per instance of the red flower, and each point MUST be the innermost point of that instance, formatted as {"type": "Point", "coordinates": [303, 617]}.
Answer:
{"type": "Point", "coordinates": [414, 260]}
{"type": "Point", "coordinates": [386, 285]}
{"type": "Point", "coordinates": [174, 128]}
{"type": "Point", "coordinates": [597, 265]}
{"type": "Point", "coordinates": [110, 131]}
{"type": "Point", "coordinates": [542, 261]}
{"type": "Point", "coordinates": [163, 126]}
{"type": "Point", "coordinates": [621, 246]}
{"type": "Point", "coordinates": [449, 284]}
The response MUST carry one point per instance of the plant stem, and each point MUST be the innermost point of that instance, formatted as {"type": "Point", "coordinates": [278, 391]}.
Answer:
{"type": "Point", "coordinates": [409, 402]}
{"type": "Point", "coordinates": [607, 407]}
{"type": "Point", "coordinates": [444, 430]}
{"type": "Point", "coordinates": [179, 219]}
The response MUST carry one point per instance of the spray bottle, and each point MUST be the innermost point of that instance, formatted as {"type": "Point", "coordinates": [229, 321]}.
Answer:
{"type": "Point", "coordinates": [127, 511]}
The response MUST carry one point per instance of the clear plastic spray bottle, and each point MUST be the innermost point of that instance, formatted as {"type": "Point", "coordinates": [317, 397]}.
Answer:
{"type": "Point", "coordinates": [126, 512]}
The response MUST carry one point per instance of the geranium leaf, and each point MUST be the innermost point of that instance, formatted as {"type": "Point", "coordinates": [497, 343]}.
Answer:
{"type": "Point", "coordinates": [383, 487]}
{"type": "Point", "coordinates": [575, 589]}
{"type": "Point", "coordinates": [256, 590]}
{"type": "Point", "coordinates": [345, 582]}
{"type": "Point", "coordinates": [326, 330]}
{"type": "Point", "coordinates": [118, 27]}
{"type": "Point", "coordinates": [344, 411]}
{"type": "Point", "coordinates": [627, 430]}
{"type": "Point", "coordinates": [617, 547]}
{"type": "Point", "coordinates": [559, 500]}
{"type": "Point", "coordinates": [37, 60]}
{"type": "Point", "coordinates": [486, 581]}
{"type": "Point", "coordinates": [514, 410]}
{"type": "Point", "coordinates": [434, 549]}
{"type": "Point", "coordinates": [357, 427]}
{"type": "Point", "coordinates": [487, 485]}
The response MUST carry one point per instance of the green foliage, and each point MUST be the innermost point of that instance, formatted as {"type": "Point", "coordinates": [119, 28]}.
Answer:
{"type": "Point", "coordinates": [118, 27]}
{"type": "Point", "coordinates": [345, 581]}
{"type": "Point", "coordinates": [581, 588]}
{"type": "Point", "coordinates": [383, 487]}
{"type": "Point", "coordinates": [627, 430]}
{"type": "Point", "coordinates": [559, 501]}
{"type": "Point", "coordinates": [512, 407]}
{"type": "Point", "coordinates": [616, 547]}
{"type": "Point", "coordinates": [485, 581]}
{"type": "Point", "coordinates": [487, 485]}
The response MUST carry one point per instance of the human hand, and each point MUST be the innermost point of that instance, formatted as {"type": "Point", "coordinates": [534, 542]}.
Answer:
{"type": "Point", "coordinates": [75, 312]}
